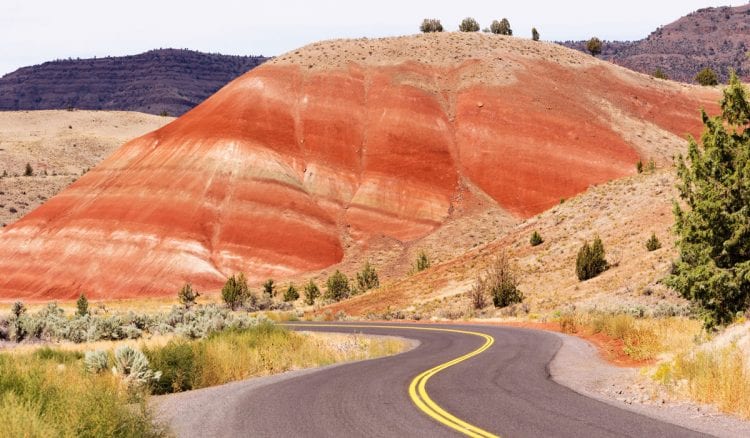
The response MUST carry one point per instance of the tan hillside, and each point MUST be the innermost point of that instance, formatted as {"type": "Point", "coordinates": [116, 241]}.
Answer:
{"type": "Point", "coordinates": [64, 144]}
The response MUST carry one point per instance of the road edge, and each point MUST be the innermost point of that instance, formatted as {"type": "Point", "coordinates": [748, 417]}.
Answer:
{"type": "Point", "coordinates": [578, 366]}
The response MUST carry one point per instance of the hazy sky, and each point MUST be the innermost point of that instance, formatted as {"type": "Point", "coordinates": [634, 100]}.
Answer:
{"type": "Point", "coordinates": [34, 31]}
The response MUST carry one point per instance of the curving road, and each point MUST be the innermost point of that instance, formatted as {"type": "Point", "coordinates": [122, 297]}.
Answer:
{"type": "Point", "coordinates": [503, 390]}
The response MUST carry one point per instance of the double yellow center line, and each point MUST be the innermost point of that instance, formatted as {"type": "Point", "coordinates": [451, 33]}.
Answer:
{"type": "Point", "coordinates": [417, 387]}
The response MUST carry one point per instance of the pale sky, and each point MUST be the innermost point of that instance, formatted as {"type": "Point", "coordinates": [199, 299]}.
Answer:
{"type": "Point", "coordinates": [34, 31]}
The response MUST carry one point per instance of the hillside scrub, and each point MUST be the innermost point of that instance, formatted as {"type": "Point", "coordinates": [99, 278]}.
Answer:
{"type": "Point", "coordinates": [707, 77]}
{"type": "Point", "coordinates": [713, 220]}
{"type": "Point", "coordinates": [51, 324]}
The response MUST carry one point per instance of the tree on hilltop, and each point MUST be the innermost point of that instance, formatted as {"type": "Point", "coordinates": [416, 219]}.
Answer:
{"type": "Point", "coordinates": [534, 34]}
{"type": "Point", "coordinates": [469, 24]}
{"type": "Point", "coordinates": [430, 25]}
{"type": "Point", "coordinates": [501, 27]}
{"type": "Point", "coordinates": [594, 46]}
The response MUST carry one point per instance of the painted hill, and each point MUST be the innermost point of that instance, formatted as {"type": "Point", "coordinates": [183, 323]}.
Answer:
{"type": "Point", "coordinates": [712, 37]}
{"type": "Point", "coordinates": [168, 80]}
{"type": "Point", "coordinates": [329, 149]}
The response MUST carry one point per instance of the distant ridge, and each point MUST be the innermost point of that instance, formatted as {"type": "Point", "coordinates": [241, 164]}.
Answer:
{"type": "Point", "coordinates": [711, 37]}
{"type": "Point", "coordinates": [157, 81]}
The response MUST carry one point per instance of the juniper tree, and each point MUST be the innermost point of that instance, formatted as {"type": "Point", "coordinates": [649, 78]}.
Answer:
{"type": "Point", "coordinates": [368, 278]}
{"type": "Point", "coordinates": [337, 286]}
{"type": "Point", "coordinates": [235, 291]}
{"type": "Point", "coordinates": [707, 77]}
{"type": "Point", "coordinates": [713, 221]}
{"type": "Point", "coordinates": [501, 27]}
{"type": "Point", "coordinates": [82, 306]}
{"type": "Point", "coordinates": [311, 293]}
{"type": "Point", "coordinates": [291, 293]}
{"type": "Point", "coordinates": [430, 25]}
{"type": "Point", "coordinates": [534, 34]}
{"type": "Point", "coordinates": [187, 295]}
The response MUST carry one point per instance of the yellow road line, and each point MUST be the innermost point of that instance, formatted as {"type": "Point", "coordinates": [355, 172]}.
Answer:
{"type": "Point", "coordinates": [417, 387]}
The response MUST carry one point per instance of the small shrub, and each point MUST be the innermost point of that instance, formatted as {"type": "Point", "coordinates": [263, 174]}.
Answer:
{"type": "Point", "coordinates": [269, 288]}
{"type": "Point", "coordinates": [133, 366]}
{"type": "Point", "coordinates": [639, 166]}
{"type": "Point", "coordinates": [468, 24]}
{"type": "Point", "coordinates": [96, 361]}
{"type": "Point", "coordinates": [423, 261]}
{"type": "Point", "coordinates": [594, 46]}
{"type": "Point", "coordinates": [591, 261]}
{"type": "Point", "coordinates": [536, 239]}
{"type": "Point", "coordinates": [311, 293]}
{"type": "Point", "coordinates": [478, 294]}
{"type": "Point", "coordinates": [18, 309]}
{"type": "Point", "coordinates": [337, 287]}
{"type": "Point", "coordinates": [707, 77]}
{"type": "Point", "coordinates": [291, 293]}
{"type": "Point", "coordinates": [29, 171]}
{"type": "Point", "coordinates": [659, 74]}
{"type": "Point", "coordinates": [235, 291]}
{"type": "Point", "coordinates": [652, 244]}
{"type": "Point", "coordinates": [430, 25]}
{"type": "Point", "coordinates": [500, 282]}
{"type": "Point", "coordinates": [188, 296]}
{"type": "Point", "coordinates": [501, 27]}
{"type": "Point", "coordinates": [82, 306]}
{"type": "Point", "coordinates": [534, 34]}
{"type": "Point", "coordinates": [368, 278]}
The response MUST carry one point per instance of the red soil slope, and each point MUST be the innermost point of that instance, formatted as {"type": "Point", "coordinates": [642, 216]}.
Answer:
{"type": "Point", "coordinates": [345, 138]}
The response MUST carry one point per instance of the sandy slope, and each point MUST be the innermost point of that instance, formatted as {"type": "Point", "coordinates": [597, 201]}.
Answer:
{"type": "Point", "coordinates": [64, 144]}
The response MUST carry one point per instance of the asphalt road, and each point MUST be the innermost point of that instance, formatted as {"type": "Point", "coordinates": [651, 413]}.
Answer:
{"type": "Point", "coordinates": [504, 390]}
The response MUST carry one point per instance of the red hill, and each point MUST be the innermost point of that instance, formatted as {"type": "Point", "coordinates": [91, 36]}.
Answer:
{"type": "Point", "coordinates": [340, 141]}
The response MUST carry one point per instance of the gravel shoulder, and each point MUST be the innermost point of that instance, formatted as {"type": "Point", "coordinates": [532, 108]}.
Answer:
{"type": "Point", "coordinates": [579, 367]}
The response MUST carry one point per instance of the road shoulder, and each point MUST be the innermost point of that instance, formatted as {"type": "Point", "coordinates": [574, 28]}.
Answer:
{"type": "Point", "coordinates": [578, 366]}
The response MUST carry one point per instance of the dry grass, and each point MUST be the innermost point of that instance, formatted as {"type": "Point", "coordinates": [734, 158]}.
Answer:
{"type": "Point", "coordinates": [720, 377]}
{"type": "Point", "coordinates": [263, 350]}
{"type": "Point", "coordinates": [642, 338]}
{"type": "Point", "coordinates": [50, 395]}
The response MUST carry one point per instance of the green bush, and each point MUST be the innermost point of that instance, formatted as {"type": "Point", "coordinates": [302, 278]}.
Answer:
{"type": "Point", "coordinates": [311, 293]}
{"type": "Point", "coordinates": [430, 25]}
{"type": "Point", "coordinates": [536, 239]}
{"type": "Point", "coordinates": [713, 224]}
{"type": "Point", "coordinates": [337, 287]}
{"type": "Point", "coordinates": [178, 365]}
{"type": "Point", "coordinates": [707, 77]}
{"type": "Point", "coordinates": [468, 24]}
{"type": "Point", "coordinates": [235, 291]}
{"type": "Point", "coordinates": [291, 293]}
{"type": "Point", "coordinates": [652, 244]}
{"type": "Point", "coordinates": [591, 261]}
{"type": "Point", "coordinates": [594, 46]}
{"type": "Point", "coordinates": [501, 27]}
{"type": "Point", "coordinates": [367, 279]}
{"type": "Point", "coordinates": [187, 295]}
